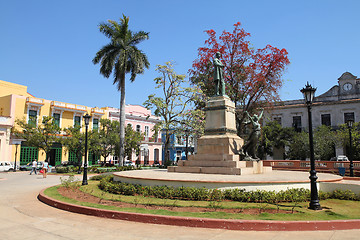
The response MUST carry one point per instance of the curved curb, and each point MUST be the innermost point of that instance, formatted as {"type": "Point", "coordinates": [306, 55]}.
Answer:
{"type": "Point", "coordinates": [245, 225]}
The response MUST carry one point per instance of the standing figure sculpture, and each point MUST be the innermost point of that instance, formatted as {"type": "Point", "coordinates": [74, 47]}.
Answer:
{"type": "Point", "coordinates": [251, 146]}
{"type": "Point", "coordinates": [219, 75]}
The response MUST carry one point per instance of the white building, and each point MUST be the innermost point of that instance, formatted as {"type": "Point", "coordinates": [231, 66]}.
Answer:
{"type": "Point", "coordinates": [332, 108]}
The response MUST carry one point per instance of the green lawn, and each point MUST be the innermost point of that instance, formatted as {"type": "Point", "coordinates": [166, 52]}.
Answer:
{"type": "Point", "coordinates": [333, 209]}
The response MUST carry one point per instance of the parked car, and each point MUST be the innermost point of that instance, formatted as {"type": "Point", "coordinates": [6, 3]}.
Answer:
{"type": "Point", "coordinates": [129, 163]}
{"type": "Point", "coordinates": [28, 166]}
{"type": "Point", "coordinates": [340, 158]}
{"type": "Point", "coordinates": [6, 166]}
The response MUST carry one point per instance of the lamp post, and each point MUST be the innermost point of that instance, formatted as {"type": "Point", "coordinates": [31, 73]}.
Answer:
{"type": "Point", "coordinates": [16, 150]}
{"type": "Point", "coordinates": [86, 119]}
{"type": "Point", "coordinates": [350, 123]}
{"type": "Point", "coordinates": [309, 93]}
{"type": "Point", "coordinates": [16, 142]}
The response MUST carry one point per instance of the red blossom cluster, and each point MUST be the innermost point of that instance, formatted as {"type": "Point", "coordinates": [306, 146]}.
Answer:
{"type": "Point", "coordinates": [252, 76]}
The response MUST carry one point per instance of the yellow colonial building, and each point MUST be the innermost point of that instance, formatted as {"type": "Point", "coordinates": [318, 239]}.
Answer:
{"type": "Point", "coordinates": [17, 103]}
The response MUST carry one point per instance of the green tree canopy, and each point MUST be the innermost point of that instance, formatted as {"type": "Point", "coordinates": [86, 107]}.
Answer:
{"type": "Point", "coordinates": [275, 136]}
{"type": "Point", "coordinates": [175, 99]}
{"type": "Point", "coordinates": [132, 141]}
{"type": "Point", "coordinates": [74, 142]}
{"type": "Point", "coordinates": [104, 140]}
{"type": "Point", "coordinates": [325, 140]}
{"type": "Point", "coordinates": [344, 138]}
{"type": "Point", "coordinates": [41, 136]}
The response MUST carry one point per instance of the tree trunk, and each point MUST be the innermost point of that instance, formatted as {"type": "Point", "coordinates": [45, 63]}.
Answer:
{"type": "Point", "coordinates": [122, 121]}
{"type": "Point", "coordinates": [166, 161]}
{"type": "Point", "coordinates": [79, 157]}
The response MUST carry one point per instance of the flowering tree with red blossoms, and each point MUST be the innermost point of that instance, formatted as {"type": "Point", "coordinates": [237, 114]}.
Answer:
{"type": "Point", "coordinates": [252, 77]}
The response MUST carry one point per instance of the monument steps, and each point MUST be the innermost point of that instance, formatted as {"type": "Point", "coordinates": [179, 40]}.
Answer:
{"type": "Point", "coordinates": [205, 163]}
{"type": "Point", "coordinates": [220, 170]}
{"type": "Point", "coordinates": [214, 157]}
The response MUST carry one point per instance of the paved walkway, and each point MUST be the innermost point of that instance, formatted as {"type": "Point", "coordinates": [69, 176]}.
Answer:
{"type": "Point", "coordinates": [23, 217]}
{"type": "Point", "coordinates": [269, 177]}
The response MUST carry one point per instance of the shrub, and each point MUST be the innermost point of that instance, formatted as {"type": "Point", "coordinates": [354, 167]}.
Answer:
{"type": "Point", "coordinates": [62, 169]}
{"type": "Point", "coordinates": [70, 182]}
{"type": "Point", "coordinates": [294, 195]}
{"type": "Point", "coordinates": [344, 195]}
{"type": "Point", "coordinates": [98, 177]}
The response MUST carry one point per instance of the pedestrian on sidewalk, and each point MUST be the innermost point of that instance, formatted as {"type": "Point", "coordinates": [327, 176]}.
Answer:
{"type": "Point", "coordinates": [33, 167]}
{"type": "Point", "coordinates": [45, 168]}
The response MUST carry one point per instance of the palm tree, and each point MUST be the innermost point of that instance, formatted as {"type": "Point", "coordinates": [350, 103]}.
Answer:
{"type": "Point", "coordinates": [121, 56]}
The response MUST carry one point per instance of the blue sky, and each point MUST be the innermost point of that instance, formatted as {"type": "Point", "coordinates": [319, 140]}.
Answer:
{"type": "Point", "coordinates": [49, 45]}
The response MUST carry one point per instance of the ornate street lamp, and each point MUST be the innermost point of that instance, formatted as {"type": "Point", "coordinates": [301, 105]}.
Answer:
{"type": "Point", "coordinates": [350, 124]}
{"type": "Point", "coordinates": [86, 119]}
{"type": "Point", "coordinates": [309, 93]}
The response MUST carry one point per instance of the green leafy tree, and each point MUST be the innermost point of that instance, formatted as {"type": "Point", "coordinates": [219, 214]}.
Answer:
{"type": "Point", "coordinates": [41, 136]}
{"type": "Point", "coordinates": [194, 121]}
{"type": "Point", "coordinates": [121, 56]}
{"type": "Point", "coordinates": [324, 143]}
{"type": "Point", "coordinates": [299, 146]}
{"type": "Point", "coordinates": [132, 141]}
{"type": "Point", "coordinates": [274, 137]}
{"type": "Point", "coordinates": [74, 142]}
{"type": "Point", "coordinates": [191, 124]}
{"type": "Point", "coordinates": [171, 107]}
{"type": "Point", "coordinates": [104, 141]}
{"type": "Point", "coordinates": [344, 139]}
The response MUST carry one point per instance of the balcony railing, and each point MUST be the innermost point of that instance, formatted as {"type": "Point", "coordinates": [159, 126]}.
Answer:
{"type": "Point", "coordinates": [68, 106]}
{"type": "Point", "coordinates": [35, 101]}
{"type": "Point", "coordinates": [97, 111]}
{"type": "Point", "coordinates": [152, 139]}
{"type": "Point", "coordinates": [5, 120]}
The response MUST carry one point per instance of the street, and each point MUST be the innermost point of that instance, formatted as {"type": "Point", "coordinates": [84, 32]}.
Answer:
{"type": "Point", "coordinates": [23, 217]}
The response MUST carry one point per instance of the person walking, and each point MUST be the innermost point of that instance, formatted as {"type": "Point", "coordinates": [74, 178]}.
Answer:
{"type": "Point", "coordinates": [34, 166]}
{"type": "Point", "coordinates": [45, 168]}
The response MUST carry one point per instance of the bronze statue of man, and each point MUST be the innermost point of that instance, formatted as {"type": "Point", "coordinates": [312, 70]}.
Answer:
{"type": "Point", "coordinates": [219, 75]}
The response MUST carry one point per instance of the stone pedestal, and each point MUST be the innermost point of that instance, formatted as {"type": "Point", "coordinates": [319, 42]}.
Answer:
{"type": "Point", "coordinates": [218, 150]}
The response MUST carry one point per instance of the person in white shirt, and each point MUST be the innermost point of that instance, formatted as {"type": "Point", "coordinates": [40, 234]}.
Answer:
{"type": "Point", "coordinates": [34, 166]}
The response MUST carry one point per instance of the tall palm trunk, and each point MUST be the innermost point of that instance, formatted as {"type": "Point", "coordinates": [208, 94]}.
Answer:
{"type": "Point", "coordinates": [122, 121]}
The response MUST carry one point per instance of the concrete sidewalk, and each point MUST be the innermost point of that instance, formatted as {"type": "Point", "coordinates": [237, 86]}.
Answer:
{"type": "Point", "coordinates": [22, 216]}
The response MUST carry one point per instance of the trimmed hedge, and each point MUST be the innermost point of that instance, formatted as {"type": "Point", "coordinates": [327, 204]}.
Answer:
{"type": "Point", "coordinates": [203, 194]}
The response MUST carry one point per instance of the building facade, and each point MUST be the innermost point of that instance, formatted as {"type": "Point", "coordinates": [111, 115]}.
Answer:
{"type": "Point", "coordinates": [177, 147]}
{"type": "Point", "coordinates": [17, 103]}
{"type": "Point", "coordinates": [332, 108]}
{"type": "Point", "coordinates": [142, 121]}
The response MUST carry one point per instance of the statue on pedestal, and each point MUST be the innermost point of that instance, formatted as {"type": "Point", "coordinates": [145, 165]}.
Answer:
{"type": "Point", "coordinates": [250, 147]}
{"type": "Point", "coordinates": [219, 75]}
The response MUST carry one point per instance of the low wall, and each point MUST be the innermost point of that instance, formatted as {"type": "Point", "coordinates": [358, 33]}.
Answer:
{"type": "Point", "coordinates": [321, 166]}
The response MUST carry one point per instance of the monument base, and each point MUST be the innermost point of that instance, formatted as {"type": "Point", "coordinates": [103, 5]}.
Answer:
{"type": "Point", "coordinates": [242, 167]}
{"type": "Point", "coordinates": [218, 150]}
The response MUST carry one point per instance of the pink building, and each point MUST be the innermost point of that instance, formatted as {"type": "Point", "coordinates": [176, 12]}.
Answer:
{"type": "Point", "coordinates": [143, 121]}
